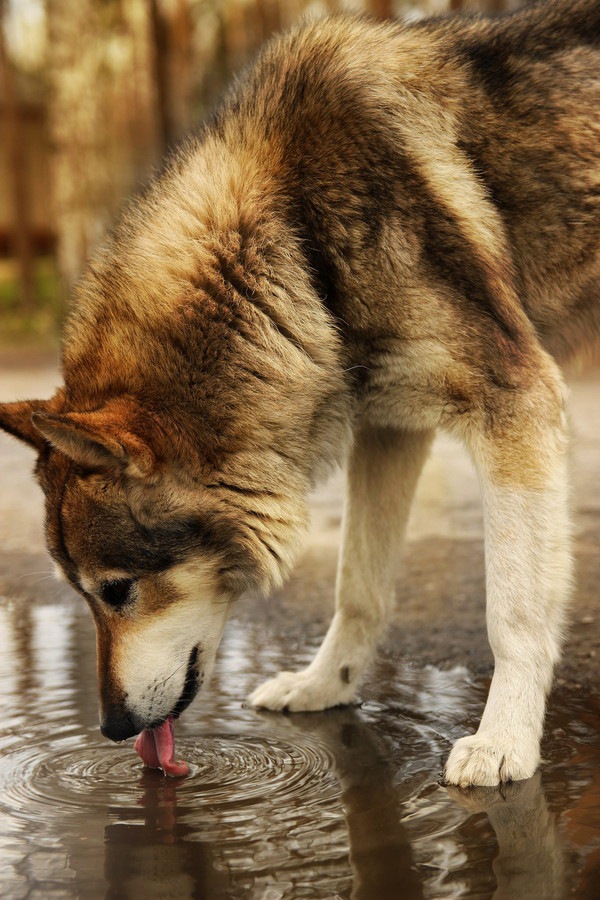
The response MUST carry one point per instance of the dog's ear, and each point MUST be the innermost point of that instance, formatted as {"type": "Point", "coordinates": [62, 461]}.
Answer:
{"type": "Point", "coordinates": [107, 438]}
{"type": "Point", "coordinates": [16, 419]}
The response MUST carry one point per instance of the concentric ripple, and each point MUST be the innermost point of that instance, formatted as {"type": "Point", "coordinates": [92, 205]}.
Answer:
{"type": "Point", "coordinates": [242, 770]}
{"type": "Point", "coordinates": [78, 774]}
{"type": "Point", "coordinates": [262, 804]}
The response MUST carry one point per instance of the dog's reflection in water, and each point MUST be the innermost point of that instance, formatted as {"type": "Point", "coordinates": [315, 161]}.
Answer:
{"type": "Point", "coordinates": [530, 858]}
{"type": "Point", "coordinates": [155, 854]}
{"type": "Point", "coordinates": [166, 849]}
{"type": "Point", "coordinates": [380, 853]}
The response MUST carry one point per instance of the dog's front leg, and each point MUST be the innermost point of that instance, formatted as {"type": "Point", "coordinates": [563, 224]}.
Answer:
{"type": "Point", "coordinates": [521, 458]}
{"type": "Point", "coordinates": [383, 470]}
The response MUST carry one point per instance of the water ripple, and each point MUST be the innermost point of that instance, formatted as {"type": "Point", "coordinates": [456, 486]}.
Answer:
{"type": "Point", "coordinates": [78, 773]}
{"type": "Point", "coordinates": [262, 804]}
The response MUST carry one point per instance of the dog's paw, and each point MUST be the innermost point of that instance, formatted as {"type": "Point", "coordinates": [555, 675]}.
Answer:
{"type": "Point", "coordinates": [482, 761]}
{"type": "Point", "coordinates": [300, 692]}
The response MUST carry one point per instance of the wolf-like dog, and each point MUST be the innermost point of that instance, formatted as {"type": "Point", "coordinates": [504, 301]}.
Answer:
{"type": "Point", "coordinates": [384, 230]}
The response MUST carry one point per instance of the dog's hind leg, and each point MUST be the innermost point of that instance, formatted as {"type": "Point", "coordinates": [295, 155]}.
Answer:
{"type": "Point", "coordinates": [519, 448]}
{"type": "Point", "coordinates": [383, 470]}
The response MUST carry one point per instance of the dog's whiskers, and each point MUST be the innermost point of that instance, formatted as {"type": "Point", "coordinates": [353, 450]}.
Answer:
{"type": "Point", "coordinates": [174, 672]}
{"type": "Point", "coordinates": [47, 573]}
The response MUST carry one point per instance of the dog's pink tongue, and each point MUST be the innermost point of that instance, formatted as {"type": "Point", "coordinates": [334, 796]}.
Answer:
{"type": "Point", "coordinates": [156, 746]}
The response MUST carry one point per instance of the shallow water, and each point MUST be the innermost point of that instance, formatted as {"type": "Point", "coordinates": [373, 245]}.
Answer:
{"type": "Point", "coordinates": [341, 804]}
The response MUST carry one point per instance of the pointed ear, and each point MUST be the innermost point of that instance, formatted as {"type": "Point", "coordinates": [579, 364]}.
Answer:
{"type": "Point", "coordinates": [101, 439]}
{"type": "Point", "coordinates": [16, 419]}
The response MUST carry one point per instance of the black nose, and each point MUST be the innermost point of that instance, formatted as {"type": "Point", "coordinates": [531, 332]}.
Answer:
{"type": "Point", "coordinates": [118, 724]}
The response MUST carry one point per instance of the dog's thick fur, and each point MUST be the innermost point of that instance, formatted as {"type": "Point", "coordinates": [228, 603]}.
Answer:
{"type": "Point", "coordinates": [385, 229]}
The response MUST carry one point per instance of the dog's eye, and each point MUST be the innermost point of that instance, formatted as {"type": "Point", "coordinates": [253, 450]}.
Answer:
{"type": "Point", "coordinates": [117, 593]}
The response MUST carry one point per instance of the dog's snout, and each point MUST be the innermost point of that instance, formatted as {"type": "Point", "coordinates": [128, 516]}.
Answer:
{"type": "Point", "coordinates": [118, 724]}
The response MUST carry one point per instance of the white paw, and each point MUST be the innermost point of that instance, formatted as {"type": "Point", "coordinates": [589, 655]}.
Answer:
{"type": "Point", "coordinates": [302, 692]}
{"type": "Point", "coordinates": [485, 761]}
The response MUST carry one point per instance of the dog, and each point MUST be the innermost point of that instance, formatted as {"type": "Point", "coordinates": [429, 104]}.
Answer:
{"type": "Point", "coordinates": [385, 229]}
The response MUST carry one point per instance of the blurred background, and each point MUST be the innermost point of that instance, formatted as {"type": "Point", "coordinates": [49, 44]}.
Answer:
{"type": "Point", "coordinates": [92, 94]}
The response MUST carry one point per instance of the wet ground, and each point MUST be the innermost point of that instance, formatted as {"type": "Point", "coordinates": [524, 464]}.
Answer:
{"type": "Point", "coordinates": [332, 805]}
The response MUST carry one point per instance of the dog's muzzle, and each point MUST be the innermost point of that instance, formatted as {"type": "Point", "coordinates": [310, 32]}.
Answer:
{"type": "Point", "coordinates": [119, 723]}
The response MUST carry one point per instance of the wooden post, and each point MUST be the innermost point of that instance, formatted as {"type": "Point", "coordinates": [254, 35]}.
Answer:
{"type": "Point", "coordinates": [103, 115]}
{"type": "Point", "coordinates": [383, 9]}
{"type": "Point", "coordinates": [161, 74]}
{"type": "Point", "coordinates": [16, 144]}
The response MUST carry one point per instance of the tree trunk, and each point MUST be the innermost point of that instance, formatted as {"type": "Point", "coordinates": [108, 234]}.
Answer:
{"type": "Point", "coordinates": [383, 9]}
{"type": "Point", "coordinates": [103, 115]}
{"type": "Point", "coordinates": [491, 6]}
{"type": "Point", "coordinates": [16, 145]}
{"type": "Point", "coordinates": [80, 177]}
{"type": "Point", "coordinates": [171, 32]}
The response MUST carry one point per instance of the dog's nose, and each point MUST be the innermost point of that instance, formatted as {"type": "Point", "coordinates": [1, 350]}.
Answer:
{"type": "Point", "coordinates": [117, 724]}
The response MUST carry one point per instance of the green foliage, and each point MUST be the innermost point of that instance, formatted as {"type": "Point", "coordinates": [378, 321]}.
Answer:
{"type": "Point", "coordinates": [44, 319]}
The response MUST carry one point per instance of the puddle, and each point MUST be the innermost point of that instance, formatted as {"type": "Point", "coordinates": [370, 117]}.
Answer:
{"type": "Point", "coordinates": [341, 804]}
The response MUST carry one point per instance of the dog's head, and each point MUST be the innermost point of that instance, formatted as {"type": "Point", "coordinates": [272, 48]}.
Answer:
{"type": "Point", "coordinates": [158, 552]}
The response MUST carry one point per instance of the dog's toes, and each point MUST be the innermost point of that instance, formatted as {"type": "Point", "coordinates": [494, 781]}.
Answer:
{"type": "Point", "coordinates": [274, 693]}
{"type": "Point", "coordinates": [299, 692]}
{"type": "Point", "coordinates": [480, 761]}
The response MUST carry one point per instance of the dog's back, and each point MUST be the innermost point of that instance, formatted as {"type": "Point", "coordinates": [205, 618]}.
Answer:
{"type": "Point", "coordinates": [450, 159]}
{"type": "Point", "coordinates": [470, 147]}
{"type": "Point", "coordinates": [534, 139]}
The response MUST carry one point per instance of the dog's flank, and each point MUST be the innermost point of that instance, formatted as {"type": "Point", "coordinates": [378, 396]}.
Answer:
{"type": "Point", "coordinates": [384, 230]}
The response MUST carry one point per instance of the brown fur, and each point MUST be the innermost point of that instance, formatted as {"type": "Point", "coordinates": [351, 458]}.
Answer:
{"type": "Point", "coordinates": [384, 226]}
